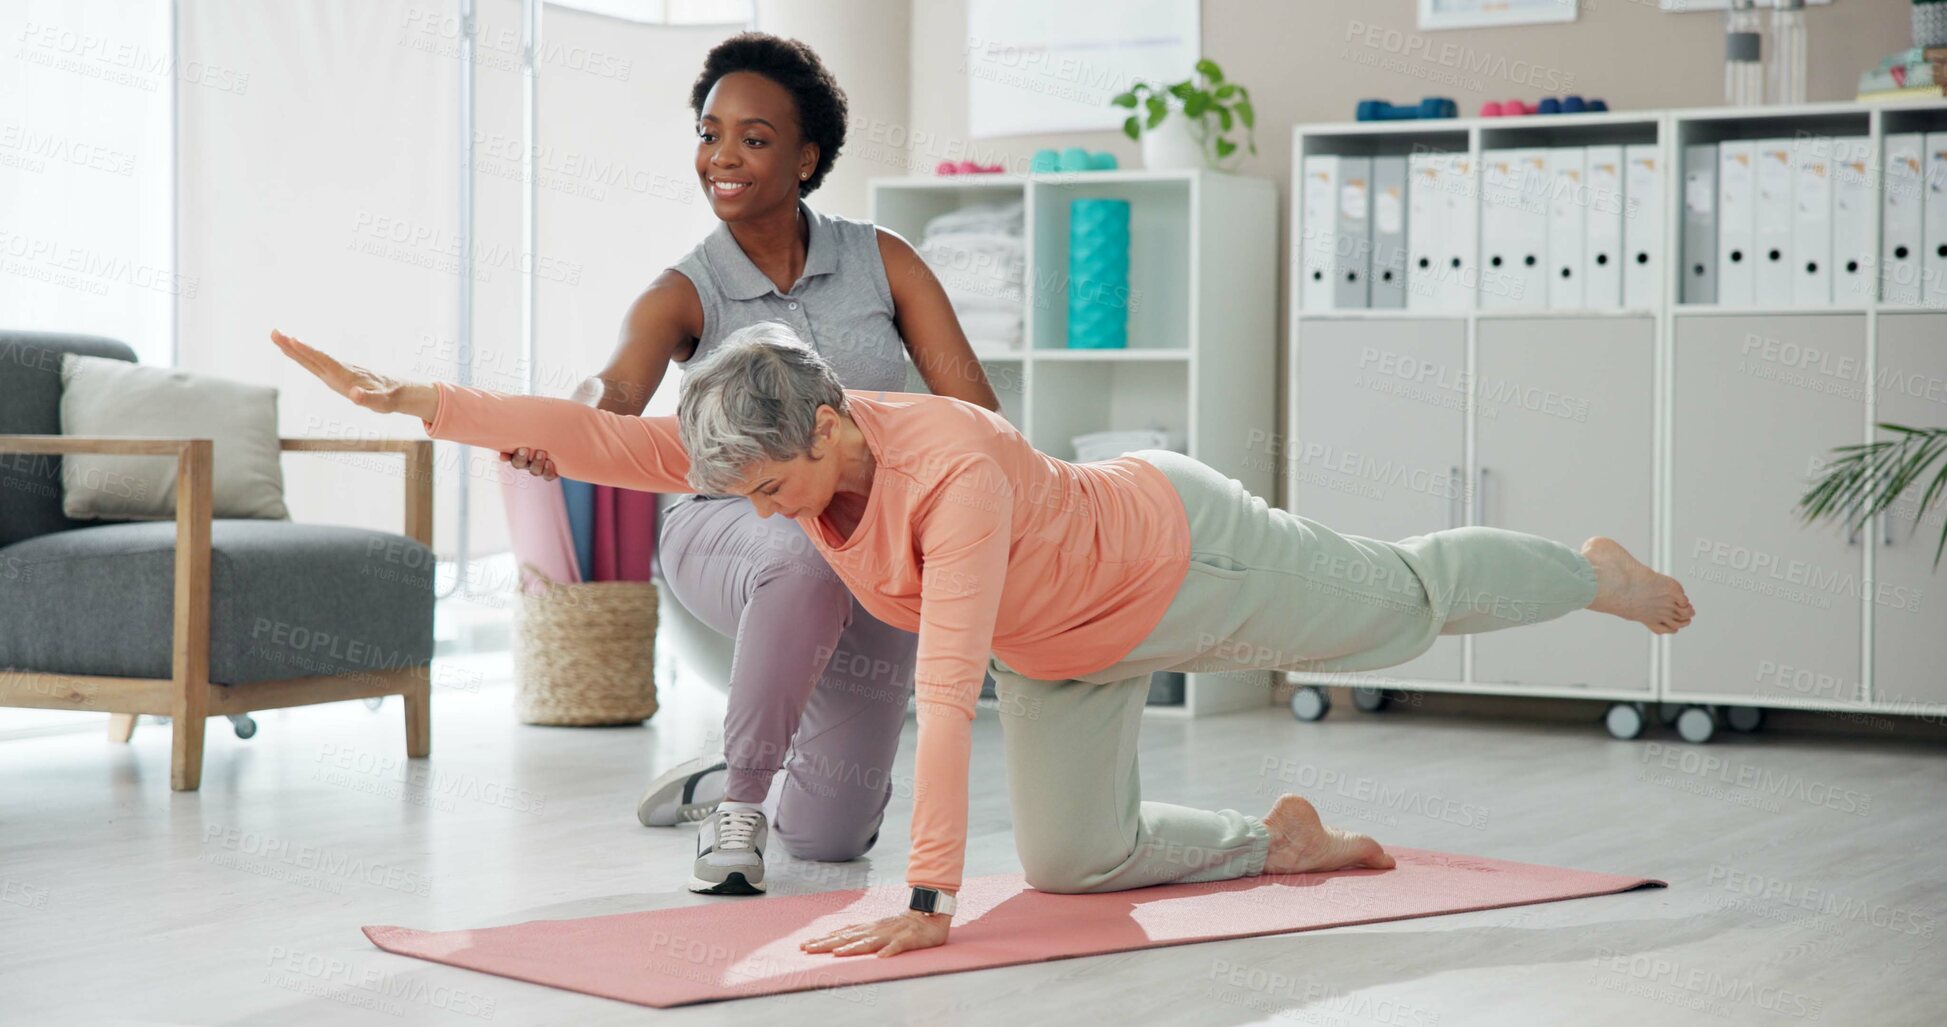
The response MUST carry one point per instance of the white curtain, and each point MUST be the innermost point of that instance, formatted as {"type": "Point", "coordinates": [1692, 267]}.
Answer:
{"type": "Point", "coordinates": [324, 200]}
{"type": "Point", "coordinates": [85, 170]}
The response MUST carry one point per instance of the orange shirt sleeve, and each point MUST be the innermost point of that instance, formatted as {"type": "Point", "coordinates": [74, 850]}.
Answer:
{"type": "Point", "coordinates": [963, 541]}
{"type": "Point", "coordinates": [587, 444]}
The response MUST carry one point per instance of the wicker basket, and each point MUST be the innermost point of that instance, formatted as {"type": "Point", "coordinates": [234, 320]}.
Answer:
{"type": "Point", "coordinates": [584, 653]}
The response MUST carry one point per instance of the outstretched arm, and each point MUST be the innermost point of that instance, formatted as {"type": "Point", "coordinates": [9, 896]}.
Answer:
{"type": "Point", "coordinates": [585, 443]}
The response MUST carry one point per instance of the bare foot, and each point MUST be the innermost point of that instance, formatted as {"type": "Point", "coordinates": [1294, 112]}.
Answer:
{"type": "Point", "coordinates": [1628, 588]}
{"type": "Point", "coordinates": [1302, 845]}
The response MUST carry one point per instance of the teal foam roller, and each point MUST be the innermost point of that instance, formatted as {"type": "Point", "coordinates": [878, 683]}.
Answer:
{"type": "Point", "coordinates": [1098, 274]}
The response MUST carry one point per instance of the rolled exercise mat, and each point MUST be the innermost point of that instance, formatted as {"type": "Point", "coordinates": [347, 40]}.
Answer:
{"type": "Point", "coordinates": [537, 524]}
{"type": "Point", "coordinates": [723, 950]}
{"type": "Point", "coordinates": [1098, 274]}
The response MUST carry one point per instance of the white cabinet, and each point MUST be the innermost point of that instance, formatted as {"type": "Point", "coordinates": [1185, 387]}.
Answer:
{"type": "Point", "coordinates": [1563, 441]}
{"type": "Point", "coordinates": [1688, 432]}
{"type": "Point", "coordinates": [1909, 595]}
{"type": "Point", "coordinates": [1757, 404]}
{"type": "Point", "coordinates": [1202, 328]}
{"type": "Point", "coordinates": [1377, 450]}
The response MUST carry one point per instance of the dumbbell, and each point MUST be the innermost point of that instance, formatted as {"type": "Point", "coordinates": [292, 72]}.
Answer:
{"type": "Point", "coordinates": [1431, 107]}
{"type": "Point", "coordinates": [1507, 109]}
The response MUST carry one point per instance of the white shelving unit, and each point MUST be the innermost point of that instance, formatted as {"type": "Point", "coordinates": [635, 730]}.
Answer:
{"type": "Point", "coordinates": [1202, 328]}
{"type": "Point", "coordinates": [1693, 456]}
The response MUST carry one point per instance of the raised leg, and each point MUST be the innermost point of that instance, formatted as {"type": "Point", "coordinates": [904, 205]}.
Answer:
{"type": "Point", "coordinates": [121, 727]}
{"type": "Point", "coordinates": [1628, 588]}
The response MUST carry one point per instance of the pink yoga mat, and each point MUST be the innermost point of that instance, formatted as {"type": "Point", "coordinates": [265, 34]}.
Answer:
{"type": "Point", "coordinates": [537, 524]}
{"type": "Point", "coordinates": [740, 947]}
{"type": "Point", "coordinates": [625, 533]}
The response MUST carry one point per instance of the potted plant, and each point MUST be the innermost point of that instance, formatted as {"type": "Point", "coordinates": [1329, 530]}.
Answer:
{"type": "Point", "coordinates": [1208, 110]}
{"type": "Point", "coordinates": [1865, 479]}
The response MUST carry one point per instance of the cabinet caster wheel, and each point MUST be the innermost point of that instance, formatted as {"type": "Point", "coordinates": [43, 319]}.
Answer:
{"type": "Point", "coordinates": [1696, 724]}
{"type": "Point", "coordinates": [243, 725]}
{"type": "Point", "coordinates": [1744, 719]}
{"type": "Point", "coordinates": [1626, 720]}
{"type": "Point", "coordinates": [1371, 700]}
{"type": "Point", "coordinates": [1310, 703]}
{"type": "Point", "coordinates": [373, 702]}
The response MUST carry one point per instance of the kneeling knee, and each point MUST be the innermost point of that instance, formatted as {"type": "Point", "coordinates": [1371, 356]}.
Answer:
{"type": "Point", "coordinates": [1058, 879]}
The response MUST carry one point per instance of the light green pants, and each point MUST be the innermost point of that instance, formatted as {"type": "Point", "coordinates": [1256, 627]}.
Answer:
{"type": "Point", "coordinates": [1266, 590]}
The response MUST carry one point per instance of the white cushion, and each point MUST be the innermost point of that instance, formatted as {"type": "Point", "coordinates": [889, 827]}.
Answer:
{"type": "Point", "coordinates": [116, 397]}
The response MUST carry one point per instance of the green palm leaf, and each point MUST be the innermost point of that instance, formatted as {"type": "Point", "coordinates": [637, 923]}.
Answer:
{"type": "Point", "coordinates": [1866, 479]}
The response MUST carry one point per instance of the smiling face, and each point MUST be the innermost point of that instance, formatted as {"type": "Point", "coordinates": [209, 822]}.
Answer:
{"type": "Point", "coordinates": [750, 151]}
{"type": "Point", "coordinates": [802, 486]}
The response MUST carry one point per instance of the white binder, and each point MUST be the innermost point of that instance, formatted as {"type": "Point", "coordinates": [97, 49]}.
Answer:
{"type": "Point", "coordinates": [1772, 237]}
{"type": "Point", "coordinates": [1698, 227]}
{"type": "Point", "coordinates": [1602, 253]}
{"type": "Point", "coordinates": [1811, 227]}
{"type": "Point", "coordinates": [1354, 244]}
{"type": "Point", "coordinates": [1440, 232]}
{"type": "Point", "coordinates": [1514, 229]}
{"type": "Point", "coordinates": [1319, 228]}
{"type": "Point", "coordinates": [1568, 201]}
{"type": "Point", "coordinates": [1388, 232]}
{"type": "Point", "coordinates": [1901, 199]}
{"type": "Point", "coordinates": [1425, 228]}
{"type": "Point", "coordinates": [1737, 203]}
{"type": "Point", "coordinates": [1854, 219]}
{"type": "Point", "coordinates": [1934, 210]}
{"type": "Point", "coordinates": [1642, 226]}
{"type": "Point", "coordinates": [1460, 227]}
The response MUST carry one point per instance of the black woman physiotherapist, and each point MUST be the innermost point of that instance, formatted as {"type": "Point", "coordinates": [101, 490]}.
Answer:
{"type": "Point", "coordinates": [814, 677]}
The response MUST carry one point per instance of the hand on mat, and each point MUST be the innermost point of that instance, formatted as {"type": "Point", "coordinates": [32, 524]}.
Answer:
{"type": "Point", "coordinates": [368, 389]}
{"type": "Point", "coordinates": [533, 461]}
{"type": "Point", "coordinates": [890, 936]}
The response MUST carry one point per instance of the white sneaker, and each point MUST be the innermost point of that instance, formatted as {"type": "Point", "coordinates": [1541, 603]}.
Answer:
{"type": "Point", "coordinates": [686, 792]}
{"type": "Point", "coordinates": [730, 852]}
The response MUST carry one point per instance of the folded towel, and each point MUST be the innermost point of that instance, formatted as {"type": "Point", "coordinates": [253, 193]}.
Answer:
{"type": "Point", "coordinates": [1002, 218]}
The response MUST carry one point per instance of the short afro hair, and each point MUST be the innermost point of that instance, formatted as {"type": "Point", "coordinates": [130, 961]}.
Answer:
{"type": "Point", "coordinates": [793, 65]}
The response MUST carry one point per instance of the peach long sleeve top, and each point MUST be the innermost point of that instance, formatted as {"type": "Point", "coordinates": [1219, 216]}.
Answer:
{"type": "Point", "coordinates": [970, 537]}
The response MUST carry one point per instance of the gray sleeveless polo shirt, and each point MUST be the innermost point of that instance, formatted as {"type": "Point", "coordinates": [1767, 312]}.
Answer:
{"type": "Point", "coordinates": [841, 304]}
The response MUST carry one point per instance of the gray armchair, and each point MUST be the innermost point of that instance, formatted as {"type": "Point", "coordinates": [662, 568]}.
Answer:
{"type": "Point", "coordinates": [199, 616]}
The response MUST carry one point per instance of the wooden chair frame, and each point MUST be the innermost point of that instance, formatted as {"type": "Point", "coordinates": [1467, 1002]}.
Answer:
{"type": "Point", "coordinates": [187, 697]}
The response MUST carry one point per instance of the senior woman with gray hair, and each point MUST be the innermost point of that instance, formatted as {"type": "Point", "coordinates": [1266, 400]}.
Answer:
{"type": "Point", "coordinates": [1071, 582]}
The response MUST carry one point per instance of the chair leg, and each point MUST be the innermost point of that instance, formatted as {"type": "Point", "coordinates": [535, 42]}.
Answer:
{"type": "Point", "coordinates": [186, 752]}
{"type": "Point", "coordinates": [121, 727]}
{"type": "Point", "coordinates": [419, 716]}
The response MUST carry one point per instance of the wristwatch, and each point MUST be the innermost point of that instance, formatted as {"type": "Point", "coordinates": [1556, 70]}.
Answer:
{"type": "Point", "coordinates": [932, 900]}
